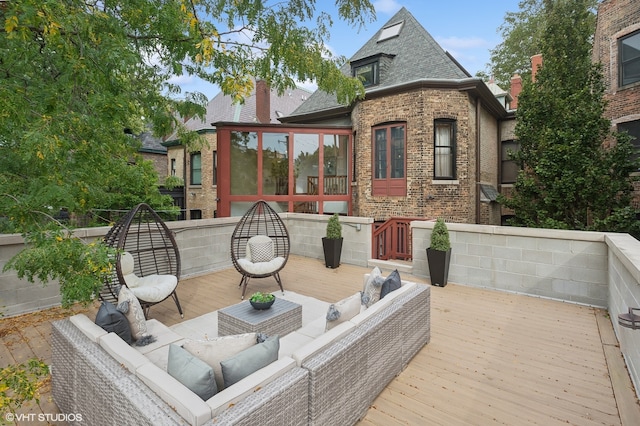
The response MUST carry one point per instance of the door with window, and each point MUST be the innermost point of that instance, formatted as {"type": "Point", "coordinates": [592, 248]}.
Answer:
{"type": "Point", "coordinates": [389, 160]}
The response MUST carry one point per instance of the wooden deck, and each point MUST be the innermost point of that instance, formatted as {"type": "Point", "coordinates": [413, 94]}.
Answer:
{"type": "Point", "coordinates": [494, 358]}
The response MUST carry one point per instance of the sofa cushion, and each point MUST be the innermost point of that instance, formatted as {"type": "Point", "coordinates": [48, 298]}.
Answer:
{"type": "Point", "coordinates": [186, 403]}
{"type": "Point", "coordinates": [122, 352]}
{"type": "Point", "coordinates": [90, 329]}
{"type": "Point", "coordinates": [134, 314]}
{"type": "Point", "coordinates": [219, 349]}
{"type": "Point", "coordinates": [372, 287]}
{"type": "Point", "coordinates": [321, 342]}
{"type": "Point", "coordinates": [112, 320]}
{"type": "Point", "coordinates": [195, 374]}
{"type": "Point", "coordinates": [343, 310]}
{"type": "Point", "coordinates": [261, 267]}
{"type": "Point", "coordinates": [391, 283]}
{"type": "Point", "coordinates": [377, 307]}
{"type": "Point", "coordinates": [250, 360]}
{"type": "Point", "coordinates": [163, 335]}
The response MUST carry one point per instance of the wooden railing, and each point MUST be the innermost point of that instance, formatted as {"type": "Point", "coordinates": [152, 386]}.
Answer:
{"type": "Point", "coordinates": [333, 185]}
{"type": "Point", "coordinates": [392, 239]}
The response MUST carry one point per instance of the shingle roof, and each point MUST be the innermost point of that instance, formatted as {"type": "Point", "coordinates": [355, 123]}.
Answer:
{"type": "Point", "coordinates": [416, 56]}
{"type": "Point", "coordinates": [222, 108]}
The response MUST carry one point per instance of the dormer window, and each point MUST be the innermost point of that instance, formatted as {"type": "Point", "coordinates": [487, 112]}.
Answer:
{"type": "Point", "coordinates": [368, 73]}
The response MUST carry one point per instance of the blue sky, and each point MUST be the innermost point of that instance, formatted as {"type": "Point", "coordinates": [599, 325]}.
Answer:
{"type": "Point", "coordinates": [468, 29]}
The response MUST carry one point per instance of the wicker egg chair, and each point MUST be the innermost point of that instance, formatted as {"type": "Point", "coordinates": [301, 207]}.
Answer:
{"type": "Point", "coordinates": [260, 245]}
{"type": "Point", "coordinates": [148, 260]}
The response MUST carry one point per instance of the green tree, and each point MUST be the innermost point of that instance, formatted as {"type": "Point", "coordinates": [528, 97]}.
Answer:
{"type": "Point", "coordinates": [575, 174]}
{"type": "Point", "coordinates": [522, 33]}
{"type": "Point", "coordinates": [78, 77]}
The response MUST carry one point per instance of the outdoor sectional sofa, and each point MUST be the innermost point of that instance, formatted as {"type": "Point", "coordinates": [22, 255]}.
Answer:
{"type": "Point", "coordinates": [320, 378]}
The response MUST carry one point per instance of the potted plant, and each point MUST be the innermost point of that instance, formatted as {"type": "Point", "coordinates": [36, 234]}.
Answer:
{"type": "Point", "coordinates": [439, 254]}
{"type": "Point", "coordinates": [261, 301]}
{"type": "Point", "coordinates": [332, 242]}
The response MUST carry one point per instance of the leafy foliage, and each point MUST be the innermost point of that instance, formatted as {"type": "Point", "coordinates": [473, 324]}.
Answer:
{"type": "Point", "coordinates": [334, 228]}
{"type": "Point", "coordinates": [522, 33]}
{"type": "Point", "coordinates": [440, 236]}
{"type": "Point", "coordinates": [20, 383]}
{"type": "Point", "coordinates": [262, 297]}
{"type": "Point", "coordinates": [570, 178]}
{"type": "Point", "coordinates": [78, 78]}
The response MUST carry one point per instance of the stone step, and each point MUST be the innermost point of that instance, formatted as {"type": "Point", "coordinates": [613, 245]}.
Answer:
{"type": "Point", "coordinates": [390, 265]}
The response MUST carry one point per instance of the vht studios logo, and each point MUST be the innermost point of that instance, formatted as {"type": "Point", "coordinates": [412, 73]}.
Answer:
{"type": "Point", "coordinates": [42, 417]}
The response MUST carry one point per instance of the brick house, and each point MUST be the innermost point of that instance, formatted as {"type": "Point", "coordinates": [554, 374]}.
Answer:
{"type": "Point", "coordinates": [426, 137]}
{"type": "Point", "coordinates": [424, 142]}
{"type": "Point", "coordinates": [617, 47]}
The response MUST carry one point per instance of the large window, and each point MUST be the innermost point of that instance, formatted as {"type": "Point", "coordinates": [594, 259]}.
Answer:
{"type": "Point", "coordinates": [215, 168]}
{"type": "Point", "coordinates": [629, 58]}
{"type": "Point", "coordinates": [275, 163]}
{"type": "Point", "coordinates": [510, 168]}
{"type": "Point", "coordinates": [633, 129]}
{"type": "Point", "coordinates": [196, 169]}
{"type": "Point", "coordinates": [244, 163]}
{"type": "Point", "coordinates": [444, 149]}
{"type": "Point", "coordinates": [389, 160]}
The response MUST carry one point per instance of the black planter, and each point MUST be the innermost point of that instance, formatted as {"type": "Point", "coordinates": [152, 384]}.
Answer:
{"type": "Point", "coordinates": [332, 251]}
{"type": "Point", "coordinates": [439, 266]}
{"type": "Point", "coordinates": [261, 306]}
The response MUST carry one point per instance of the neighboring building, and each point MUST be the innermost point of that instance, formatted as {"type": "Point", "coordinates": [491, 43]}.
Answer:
{"type": "Point", "coordinates": [152, 149]}
{"type": "Point", "coordinates": [426, 137]}
{"type": "Point", "coordinates": [199, 169]}
{"type": "Point", "coordinates": [617, 47]}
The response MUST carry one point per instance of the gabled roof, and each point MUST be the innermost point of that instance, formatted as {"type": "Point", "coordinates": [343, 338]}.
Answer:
{"type": "Point", "coordinates": [222, 108]}
{"type": "Point", "coordinates": [416, 56]}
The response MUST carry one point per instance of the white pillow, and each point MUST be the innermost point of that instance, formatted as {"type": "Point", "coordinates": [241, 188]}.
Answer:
{"type": "Point", "coordinates": [219, 349]}
{"type": "Point", "coordinates": [260, 248]}
{"type": "Point", "coordinates": [134, 314]}
{"type": "Point", "coordinates": [343, 310]}
{"type": "Point", "coordinates": [372, 288]}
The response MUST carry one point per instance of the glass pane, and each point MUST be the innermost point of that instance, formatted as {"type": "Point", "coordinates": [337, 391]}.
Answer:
{"type": "Point", "coordinates": [367, 74]}
{"type": "Point", "coordinates": [275, 164]}
{"type": "Point", "coordinates": [336, 164]}
{"type": "Point", "coordinates": [239, 208]}
{"type": "Point", "coordinates": [330, 207]}
{"type": "Point", "coordinates": [380, 154]}
{"type": "Point", "coordinates": [631, 47]}
{"type": "Point", "coordinates": [631, 72]}
{"type": "Point", "coordinates": [306, 162]}
{"type": "Point", "coordinates": [244, 163]}
{"type": "Point", "coordinates": [397, 152]}
{"type": "Point", "coordinates": [196, 169]}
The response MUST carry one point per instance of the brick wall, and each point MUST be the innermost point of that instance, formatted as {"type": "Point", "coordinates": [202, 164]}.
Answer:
{"type": "Point", "coordinates": [203, 197]}
{"type": "Point", "coordinates": [452, 200]}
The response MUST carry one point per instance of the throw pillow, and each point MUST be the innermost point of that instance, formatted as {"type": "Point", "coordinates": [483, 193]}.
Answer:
{"type": "Point", "coordinates": [261, 248]}
{"type": "Point", "coordinates": [216, 350]}
{"type": "Point", "coordinates": [195, 374]}
{"type": "Point", "coordinates": [343, 311]}
{"type": "Point", "coordinates": [135, 315]}
{"type": "Point", "coordinates": [112, 320]}
{"type": "Point", "coordinates": [392, 283]}
{"type": "Point", "coordinates": [250, 360]}
{"type": "Point", "coordinates": [372, 288]}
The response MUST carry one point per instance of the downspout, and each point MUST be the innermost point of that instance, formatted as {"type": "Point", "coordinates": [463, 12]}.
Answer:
{"type": "Point", "coordinates": [478, 116]}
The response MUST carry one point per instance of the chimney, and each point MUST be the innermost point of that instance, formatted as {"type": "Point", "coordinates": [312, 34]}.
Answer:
{"type": "Point", "coordinates": [536, 63]}
{"type": "Point", "coordinates": [516, 88]}
{"type": "Point", "coordinates": [263, 102]}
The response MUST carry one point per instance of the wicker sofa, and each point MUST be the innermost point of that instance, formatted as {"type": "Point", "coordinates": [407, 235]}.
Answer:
{"type": "Point", "coordinates": [328, 379]}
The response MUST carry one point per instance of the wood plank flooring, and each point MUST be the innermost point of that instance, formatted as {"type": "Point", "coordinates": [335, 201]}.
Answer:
{"type": "Point", "coordinates": [494, 358]}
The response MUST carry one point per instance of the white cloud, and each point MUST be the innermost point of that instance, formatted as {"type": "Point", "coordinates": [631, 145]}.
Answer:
{"type": "Point", "coordinates": [386, 6]}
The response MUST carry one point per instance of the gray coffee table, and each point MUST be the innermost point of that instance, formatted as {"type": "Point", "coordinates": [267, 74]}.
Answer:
{"type": "Point", "coordinates": [282, 318]}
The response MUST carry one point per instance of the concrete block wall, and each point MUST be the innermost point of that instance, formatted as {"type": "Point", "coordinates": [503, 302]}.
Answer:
{"type": "Point", "coordinates": [564, 265]}
{"type": "Point", "coordinates": [624, 292]}
{"type": "Point", "coordinates": [306, 232]}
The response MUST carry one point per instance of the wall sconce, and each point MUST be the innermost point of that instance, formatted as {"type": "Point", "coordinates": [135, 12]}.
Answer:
{"type": "Point", "coordinates": [630, 320]}
{"type": "Point", "coordinates": [193, 194]}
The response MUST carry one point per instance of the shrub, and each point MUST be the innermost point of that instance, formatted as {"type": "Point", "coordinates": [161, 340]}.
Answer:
{"type": "Point", "coordinates": [334, 228]}
{"type": "Point", "coordinates": [440, 236]}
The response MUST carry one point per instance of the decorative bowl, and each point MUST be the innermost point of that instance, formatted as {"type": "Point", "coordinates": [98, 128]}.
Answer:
{"type": "Point", "coordinates": [262, 305]}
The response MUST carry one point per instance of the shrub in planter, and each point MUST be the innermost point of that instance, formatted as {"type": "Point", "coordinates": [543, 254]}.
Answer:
{"type": "Point", "coordinates": [332, 242]}
{"type": "Point", "coordinates": [439, 254]}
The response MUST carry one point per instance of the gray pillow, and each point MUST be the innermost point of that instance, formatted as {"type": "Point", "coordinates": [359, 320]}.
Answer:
{"type": "Point", "coordinates": [112, 320]}
{"type": "Point", "coordinates": [392, 283]}
{"type": "Point", "coordinates": [195, 374]}
{"type": "Point", "coordinates": [250, 360]}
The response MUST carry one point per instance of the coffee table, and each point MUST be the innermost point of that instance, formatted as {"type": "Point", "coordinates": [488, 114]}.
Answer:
{"type": "Point", "coordinates": [281, 318]}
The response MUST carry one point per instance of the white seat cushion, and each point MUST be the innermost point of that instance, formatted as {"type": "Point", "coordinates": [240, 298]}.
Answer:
{"type": "Point", "coordinates": [154, 288]}
{"type": "Point", "coordinates": [261, 268]}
